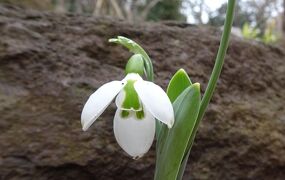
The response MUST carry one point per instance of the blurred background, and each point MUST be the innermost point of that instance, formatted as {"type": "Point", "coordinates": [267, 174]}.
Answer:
{"type": "Point", "coordinates": [261, 20]}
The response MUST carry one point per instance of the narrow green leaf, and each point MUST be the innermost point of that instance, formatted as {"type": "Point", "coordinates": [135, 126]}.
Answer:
{"type": "Point", "coordinates": [184, 162]}
{"type": "Point", "coordinates": [178, 83]}
{"type": "Point", "coordinates": [164, 129]}
{"type": "Point", "coordinates": [186, 109]}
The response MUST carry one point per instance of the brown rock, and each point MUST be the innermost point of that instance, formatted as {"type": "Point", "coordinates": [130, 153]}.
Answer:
{"type": "Point", "coordinates": [49, 65]}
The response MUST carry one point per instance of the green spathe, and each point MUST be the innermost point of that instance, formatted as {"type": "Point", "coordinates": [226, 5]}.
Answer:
{"type": "Point", "coordinates": [137, 49]}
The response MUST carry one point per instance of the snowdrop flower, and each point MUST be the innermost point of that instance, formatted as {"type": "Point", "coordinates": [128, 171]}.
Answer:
{"type": "Point", "coordinates": [138, 103]}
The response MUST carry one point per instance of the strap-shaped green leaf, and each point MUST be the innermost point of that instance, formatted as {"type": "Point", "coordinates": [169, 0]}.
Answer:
{"type": "Point", "coordinates": [186, 109]}
{"type": "Point", "coordinates": [178, 83]}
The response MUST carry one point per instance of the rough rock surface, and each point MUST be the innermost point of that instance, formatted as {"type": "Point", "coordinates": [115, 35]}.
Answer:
{"type": "Point", "coordinates": [50, 64]}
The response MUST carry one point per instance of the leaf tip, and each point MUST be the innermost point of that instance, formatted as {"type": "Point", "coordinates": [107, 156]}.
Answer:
{"type": "Point", "coordinates": [113, 40]}
{"type": "Point", "coordinates": [196, 85]}
{"type": "Point", "coordinates": [181, 70]}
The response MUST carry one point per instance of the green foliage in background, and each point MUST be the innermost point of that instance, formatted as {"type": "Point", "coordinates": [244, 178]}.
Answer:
{"type": "Point", "coordinates": [242, 16]}
{"type": "Point", "coordinates": [254, 18]}
{"type": "Point", "coordinates": [166, 10]}
{"type": "Point", "coordinates": [249, 32]}
{"type": "Point", "coordinates": [269, 36]}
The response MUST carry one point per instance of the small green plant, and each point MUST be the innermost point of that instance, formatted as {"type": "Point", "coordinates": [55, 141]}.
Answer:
{"type": "Point", "coordinates": [249, 32]}
{"type": "Point", "coordinates": [144, 110]}
{"type": "Point", "coordinates": [268, 37]}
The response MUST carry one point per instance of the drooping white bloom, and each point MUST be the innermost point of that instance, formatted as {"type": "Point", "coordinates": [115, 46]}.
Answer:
{"type": "Point", "coordinates": [139, 102]}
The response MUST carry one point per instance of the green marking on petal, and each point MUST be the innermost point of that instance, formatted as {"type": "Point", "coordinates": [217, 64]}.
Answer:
{"type": "Point", "coordinates": [131, 100]}
{"type": "Point", "coordinates": [140, 115]}
{"type": "Point", "coordinates": [125, 113]}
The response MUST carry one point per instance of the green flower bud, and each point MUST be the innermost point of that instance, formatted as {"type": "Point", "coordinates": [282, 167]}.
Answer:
{"type": "Point", "coordinates": [135, 65]}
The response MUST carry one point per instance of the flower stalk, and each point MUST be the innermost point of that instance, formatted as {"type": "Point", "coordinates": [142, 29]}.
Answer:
{"type": "Point", "coordinates": [213, 78]}
{"type": "Point", "coordinates": [219, 59]}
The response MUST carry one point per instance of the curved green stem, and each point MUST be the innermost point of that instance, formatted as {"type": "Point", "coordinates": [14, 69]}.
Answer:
{"type": "Point", "coordinates": [213, 79]}
{"type": "Point", "coordinates": [219, 59]}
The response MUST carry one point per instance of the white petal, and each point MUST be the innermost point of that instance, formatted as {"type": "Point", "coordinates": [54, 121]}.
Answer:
{"type": "Point", "coordinates": [132, 76]}
{"type": "Point", "coordinates": [156, 101]}
{"type": "Point", "coordinates": [98, 102]}
{"type": "Point", "coordinates": [134, 135]}
{"type": "Point", "coordinates": [120, 99]}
